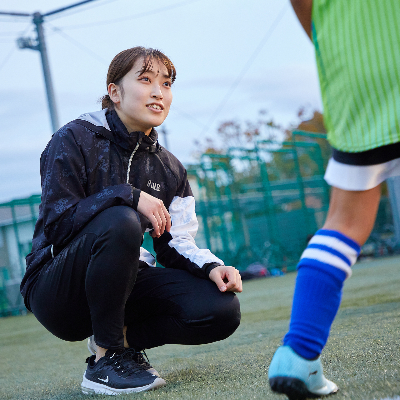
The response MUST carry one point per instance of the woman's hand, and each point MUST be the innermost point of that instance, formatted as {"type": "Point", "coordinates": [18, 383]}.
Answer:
{"type": "Point", "coordinates": [227, 278]}
{"type": "Point", "coordinates": [154, 210]}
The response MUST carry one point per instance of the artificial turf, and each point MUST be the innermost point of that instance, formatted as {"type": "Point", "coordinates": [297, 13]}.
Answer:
{"type": "Point", "coordinates": [362, 355]}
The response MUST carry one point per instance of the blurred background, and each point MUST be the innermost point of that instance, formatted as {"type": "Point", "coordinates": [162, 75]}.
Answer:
{"type": "Point", "coordinates": [246, 120]}
{"type": "Point", "coordinates": [233, 59]}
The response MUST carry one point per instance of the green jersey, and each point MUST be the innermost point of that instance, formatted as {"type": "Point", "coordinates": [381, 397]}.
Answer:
{"type": "Point", "coordinates": [357, 45]}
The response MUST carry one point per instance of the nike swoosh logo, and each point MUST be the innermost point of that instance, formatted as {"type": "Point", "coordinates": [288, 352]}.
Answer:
{"type": "Point", "coordinates": [311, 373]}
{"type": "Point", "coordinates": [104, 380]}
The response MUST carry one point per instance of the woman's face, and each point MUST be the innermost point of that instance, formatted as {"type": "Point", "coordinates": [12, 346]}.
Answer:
{"type": "Point", "coordinates": [142, 100]}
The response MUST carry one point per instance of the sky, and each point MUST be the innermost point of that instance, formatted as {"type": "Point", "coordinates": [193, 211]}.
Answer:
{"type": "Point", "coordinates": [233, 59]}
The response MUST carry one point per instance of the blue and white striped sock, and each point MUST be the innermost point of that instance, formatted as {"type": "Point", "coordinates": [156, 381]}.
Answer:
{"type": "Point", "coordinates": [324, 266]}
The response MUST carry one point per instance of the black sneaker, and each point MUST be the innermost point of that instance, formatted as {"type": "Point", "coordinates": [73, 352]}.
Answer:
{"type": "Point", "coordinates": [117, 373]}
{"type": "Point", "coordinates": [139, 357]}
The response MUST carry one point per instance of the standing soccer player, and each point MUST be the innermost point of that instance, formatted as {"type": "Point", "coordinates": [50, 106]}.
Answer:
{"type": "Point", "coordinates": [105, 182]}
{"type": "Point", "coordinates": [357, 46]}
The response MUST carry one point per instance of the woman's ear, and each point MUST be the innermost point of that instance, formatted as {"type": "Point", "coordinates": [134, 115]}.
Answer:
{"type": "Point", "coordinates": [114, 93]}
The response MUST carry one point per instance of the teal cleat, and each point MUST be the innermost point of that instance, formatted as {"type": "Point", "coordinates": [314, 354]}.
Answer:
{"type": "Point", "coordinates": [297, 377]}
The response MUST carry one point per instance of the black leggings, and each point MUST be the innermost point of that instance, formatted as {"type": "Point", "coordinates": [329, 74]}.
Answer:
{"type": "Point", "coordinates": [95, 286]}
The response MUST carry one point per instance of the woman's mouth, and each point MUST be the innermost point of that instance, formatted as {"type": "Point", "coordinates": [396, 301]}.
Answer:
{"type": "Point", "coordinates": [155, 106]}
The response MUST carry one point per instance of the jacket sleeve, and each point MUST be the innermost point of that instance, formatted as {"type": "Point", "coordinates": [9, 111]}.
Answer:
{"type": "Point", "coordinates": [66, 208]}
{"type": "Point", "coordinates": [177, 248]}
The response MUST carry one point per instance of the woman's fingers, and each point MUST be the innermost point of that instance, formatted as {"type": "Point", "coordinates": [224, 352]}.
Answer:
{"type": "Point", "coordinates": [168, 223]}
{"type": "Point", "coordinates": [154, 210]}
{"type": "Point", "coordinates": [234, 283]}
{"type": "Point", "coordinates": [227, 278]}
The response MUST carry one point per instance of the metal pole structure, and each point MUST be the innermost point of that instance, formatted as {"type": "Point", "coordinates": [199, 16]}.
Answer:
{"type": "Point", "coordinates": [67, 7]}
{"type": "Point", "coordinates": [15, 14]}
{"type": "Point", "coordinates": [41, 46]}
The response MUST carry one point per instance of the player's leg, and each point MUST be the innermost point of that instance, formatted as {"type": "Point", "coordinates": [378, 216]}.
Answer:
{"type": "Point", "coordinates": [322, 270]}
{"type": "Point", "coordinates": [353, 213]}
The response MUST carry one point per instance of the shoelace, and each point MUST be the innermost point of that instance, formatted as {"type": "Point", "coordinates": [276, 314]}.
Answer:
{"type": "Point", "coordinates": [140, 357]}
{"type": "Point", "coordinates": [123, 364]}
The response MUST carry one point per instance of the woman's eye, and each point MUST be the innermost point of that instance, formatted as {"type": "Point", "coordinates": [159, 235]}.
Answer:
{"type": "Point", "coordinates": [145, 78]}
{"type": "Point", "coordinates": [167, 84]}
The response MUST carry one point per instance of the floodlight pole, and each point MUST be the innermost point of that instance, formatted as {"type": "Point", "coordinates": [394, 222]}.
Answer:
{"type": "Point", "coordinates": [41, 47]}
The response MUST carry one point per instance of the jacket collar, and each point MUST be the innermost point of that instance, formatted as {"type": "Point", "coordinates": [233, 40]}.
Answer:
{"type": "Point", "coordinates": [107, 124]}
{"type": "Point", "coordinates": [120, 133]}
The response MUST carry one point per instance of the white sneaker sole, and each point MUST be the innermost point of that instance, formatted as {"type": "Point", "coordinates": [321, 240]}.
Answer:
{"type": "Point", "coordinates": [90, 387]}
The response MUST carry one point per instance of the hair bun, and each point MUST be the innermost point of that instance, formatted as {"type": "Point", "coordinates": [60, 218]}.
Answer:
{"type": "Point", "coordinates": [106, 102]}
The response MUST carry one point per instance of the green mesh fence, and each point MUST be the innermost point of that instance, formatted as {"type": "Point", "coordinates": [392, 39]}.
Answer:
{"type": "Point", "coordinates": [261, 204]}
{"type": "Point", "coordinates": [17, 222]}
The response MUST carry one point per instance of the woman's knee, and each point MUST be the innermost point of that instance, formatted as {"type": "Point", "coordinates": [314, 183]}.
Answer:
{"type": "Point", "coordinates": [228, 316]}
{"type": "Point", "coordinates": [123, 219]}
{"type": "Point", "coordinates": [121, 224]}
{"type": "Point", "coordinates": [221, 319]}
{"type": "Point", "coordinates": [116, 247]}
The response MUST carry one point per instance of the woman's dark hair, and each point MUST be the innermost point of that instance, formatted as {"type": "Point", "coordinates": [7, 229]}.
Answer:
{"type": "Point", "coordinates": [123, 62]}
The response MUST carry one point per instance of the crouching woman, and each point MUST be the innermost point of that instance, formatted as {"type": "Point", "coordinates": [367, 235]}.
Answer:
{"type": "Point", "coordinates": [105, 182]}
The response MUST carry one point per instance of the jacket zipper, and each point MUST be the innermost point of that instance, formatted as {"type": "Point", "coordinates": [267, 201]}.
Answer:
{"type": "Point", "coordinates": [130, 162]}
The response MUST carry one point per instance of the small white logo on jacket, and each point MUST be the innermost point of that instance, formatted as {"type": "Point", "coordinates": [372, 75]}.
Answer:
{"type": "Point", "coordinates": [154, 186]}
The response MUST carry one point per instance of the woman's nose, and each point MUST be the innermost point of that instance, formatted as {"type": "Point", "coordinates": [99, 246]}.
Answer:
{"type": "Point", "coordinates": [157, 93]}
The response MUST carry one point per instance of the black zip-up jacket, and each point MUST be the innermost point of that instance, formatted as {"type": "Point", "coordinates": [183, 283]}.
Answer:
{"type": "Point", "coordinates": [93, 163]}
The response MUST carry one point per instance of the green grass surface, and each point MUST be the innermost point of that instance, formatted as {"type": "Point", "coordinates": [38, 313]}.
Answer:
{"type": "Point", "coordinates": [362, 355]}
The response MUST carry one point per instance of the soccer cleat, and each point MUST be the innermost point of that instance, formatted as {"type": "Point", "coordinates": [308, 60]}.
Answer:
{"type": "Point", "coordinates": [297, 377]}
{"type": "Point", "coordinates": [117, 373]}
{"type": "Point", "coordinates": [140, 357]}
